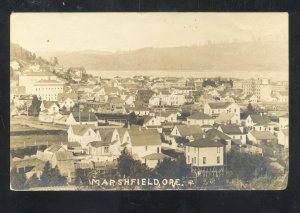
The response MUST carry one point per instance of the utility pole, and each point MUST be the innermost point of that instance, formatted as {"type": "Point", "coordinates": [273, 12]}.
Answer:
{"type": "Point", "coordinates": [79, 113]}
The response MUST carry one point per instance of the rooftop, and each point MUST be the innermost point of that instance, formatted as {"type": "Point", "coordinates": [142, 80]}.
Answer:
{"type": "Point", "coordinates": [219, 105]}
{"type": "Point", "coordinates": [200, 116]}
{"type": "Point", "coordinates": [81, 129]}
{"type": "Point", "coordinates": [186, 130]}
{"type": "Point", "coordinates": [205, 143]}
{"type": "Point", "coordinates": [263, 135]}
{"type": "Point", "coordinates": [231, 129]}
{"type": "Point", "coordinates": [144, 137]}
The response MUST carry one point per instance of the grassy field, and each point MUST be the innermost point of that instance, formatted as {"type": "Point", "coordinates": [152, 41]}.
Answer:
{"type": "Point", "coordinates": [21, 127]}
{"type": "Point", "coordinates": [36, 140]}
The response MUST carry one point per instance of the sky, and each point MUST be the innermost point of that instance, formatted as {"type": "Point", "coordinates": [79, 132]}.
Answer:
{"type": "Point", "coordinates": [47, 32]}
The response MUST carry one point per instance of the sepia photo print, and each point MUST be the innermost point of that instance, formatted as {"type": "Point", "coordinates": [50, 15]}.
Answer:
{"type": "Point", "coordinates": [149, 101]}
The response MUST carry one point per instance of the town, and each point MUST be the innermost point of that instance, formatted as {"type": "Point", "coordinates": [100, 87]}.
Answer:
{"type": "Point", "coordinates": [69, 126]}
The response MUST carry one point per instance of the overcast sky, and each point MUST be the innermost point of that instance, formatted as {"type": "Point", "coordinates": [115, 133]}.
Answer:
{"type": "Point", "coordinates": [129, 31]}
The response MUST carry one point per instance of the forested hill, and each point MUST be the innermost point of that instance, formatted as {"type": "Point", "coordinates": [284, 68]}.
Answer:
{"type": "Point", "coordinates": [25, 56]}
{"type": "Point", "coordinates": [254, 55]}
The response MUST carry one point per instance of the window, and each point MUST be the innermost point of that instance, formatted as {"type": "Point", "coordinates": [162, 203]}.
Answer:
{"type": "Point", "coordinates": [218, 149]}
{"type": "Point", "coordinates": [188, 159]}
{"type": "Point", "coordinates": [218, 159]}
{"type": "Point", "coordinates": [106, 149]}
{"type": "Point", "coordinates": [157, 149]}
{"type": "Point", "coordinates": [146, 148]}
{"type": "Point", "coordinates": [241, 137]}
{"type": "Point", "coordinates": [194, 149]}
{"type": "Point", "coordinates": [204, 160]}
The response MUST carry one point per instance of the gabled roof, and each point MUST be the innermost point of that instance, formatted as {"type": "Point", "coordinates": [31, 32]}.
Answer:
{"type": "Point", "coordinates": [231, 129]}
{"type": "Point", "coordinates": [248, 96]}
{"type": "Point", "coordinates": [205, 143]}
{"type": "Point", "coordinates": [121, 132]}
{"type": "Point", "coordinates": [106, 134]}
{"type": "Point", "coordinates": [224, 117]}
{"type": "Point", "coordinates": [199, 116]}
{"type": "Point", "coordinates": [55, 148]}
{"type": "Point", "coordinates": [260, 119]}
{"type": "Point", "coordinates": [81, 129]}
{"type": "Point", "coordinates": [63, 96]}
{"type": "Point", "coordinates": [263, 135]}
{"type": "Point", "coordinates": [186, 130]}
{"type": "Point", "coordinates": [139, 108]}
{"type": "Point", "coordinates": [147, 118]}
{"type": "Point", "coordinates": [156, 156]}
{"type": "Point", "coordinates": [198, 136]}
{"type": "Point", "coordinates": [219, 105]}
{"type": "Point", "coordinates": [97, 144]}
{"type": "Point", "coordinates": [144, 137]}
{"type": "Point", "coordinates": [164, 114]}
{"type": "Point", "coordinates": [215, 134]}
{"type": "Point", "coordinates": [84, 116]}
{"type": "Point", "coordinates": [64, 155]}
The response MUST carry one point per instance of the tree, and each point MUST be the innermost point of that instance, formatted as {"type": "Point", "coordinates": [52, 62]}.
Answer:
{"type": "Point", "coordinates": [51, 176]}
{"type": "Point", "coordinates": [17, 180]}
{"type": "Point", "coordinates": [245, 166]}
{"type": "Point", "coordinates": [55, 61]}
{"type": "Point", "coordinates": [125, 161]}
{"type": "Point", "coordinates": [132, 118]}
{"type": "Point", "coordinates": [35, 108]}
{"type": "Point", "coordinates": [250, 109]}
{"type": "Point", "coordinates": [170, 168]}
{"type": "Point", "coordinates": [33, 181]}
{"type": "Point", "coordinates": [129, 167]}
{"type": "Point", "coordinates": [64, 110]}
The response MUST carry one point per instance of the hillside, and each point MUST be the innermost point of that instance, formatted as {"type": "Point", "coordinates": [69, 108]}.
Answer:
{"type": "Point", "coordinates": [259, 55]}
{"type": "Point", "coordinates": [25, 57]}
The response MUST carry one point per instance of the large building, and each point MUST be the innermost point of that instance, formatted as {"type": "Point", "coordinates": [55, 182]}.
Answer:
{"type": "Point", "coordinates": [48, 89]}
{"type": "Point", "coordinates": [259, 87]}
{"type": "Point", "coordinates": [43, 84]}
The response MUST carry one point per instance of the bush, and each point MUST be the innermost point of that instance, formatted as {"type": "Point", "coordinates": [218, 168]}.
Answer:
{"type": "Point", "coordinates": [245, 166]}
{"type": "Point", "coordinates": [18, 180]}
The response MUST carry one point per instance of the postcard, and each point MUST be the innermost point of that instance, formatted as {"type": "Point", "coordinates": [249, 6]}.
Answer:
{"type": "Point", "coordinates": [149, 101]}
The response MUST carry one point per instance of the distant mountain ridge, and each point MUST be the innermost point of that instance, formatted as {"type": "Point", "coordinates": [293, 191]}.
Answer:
{"type": "Point", "coordinates": [254, 55]}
